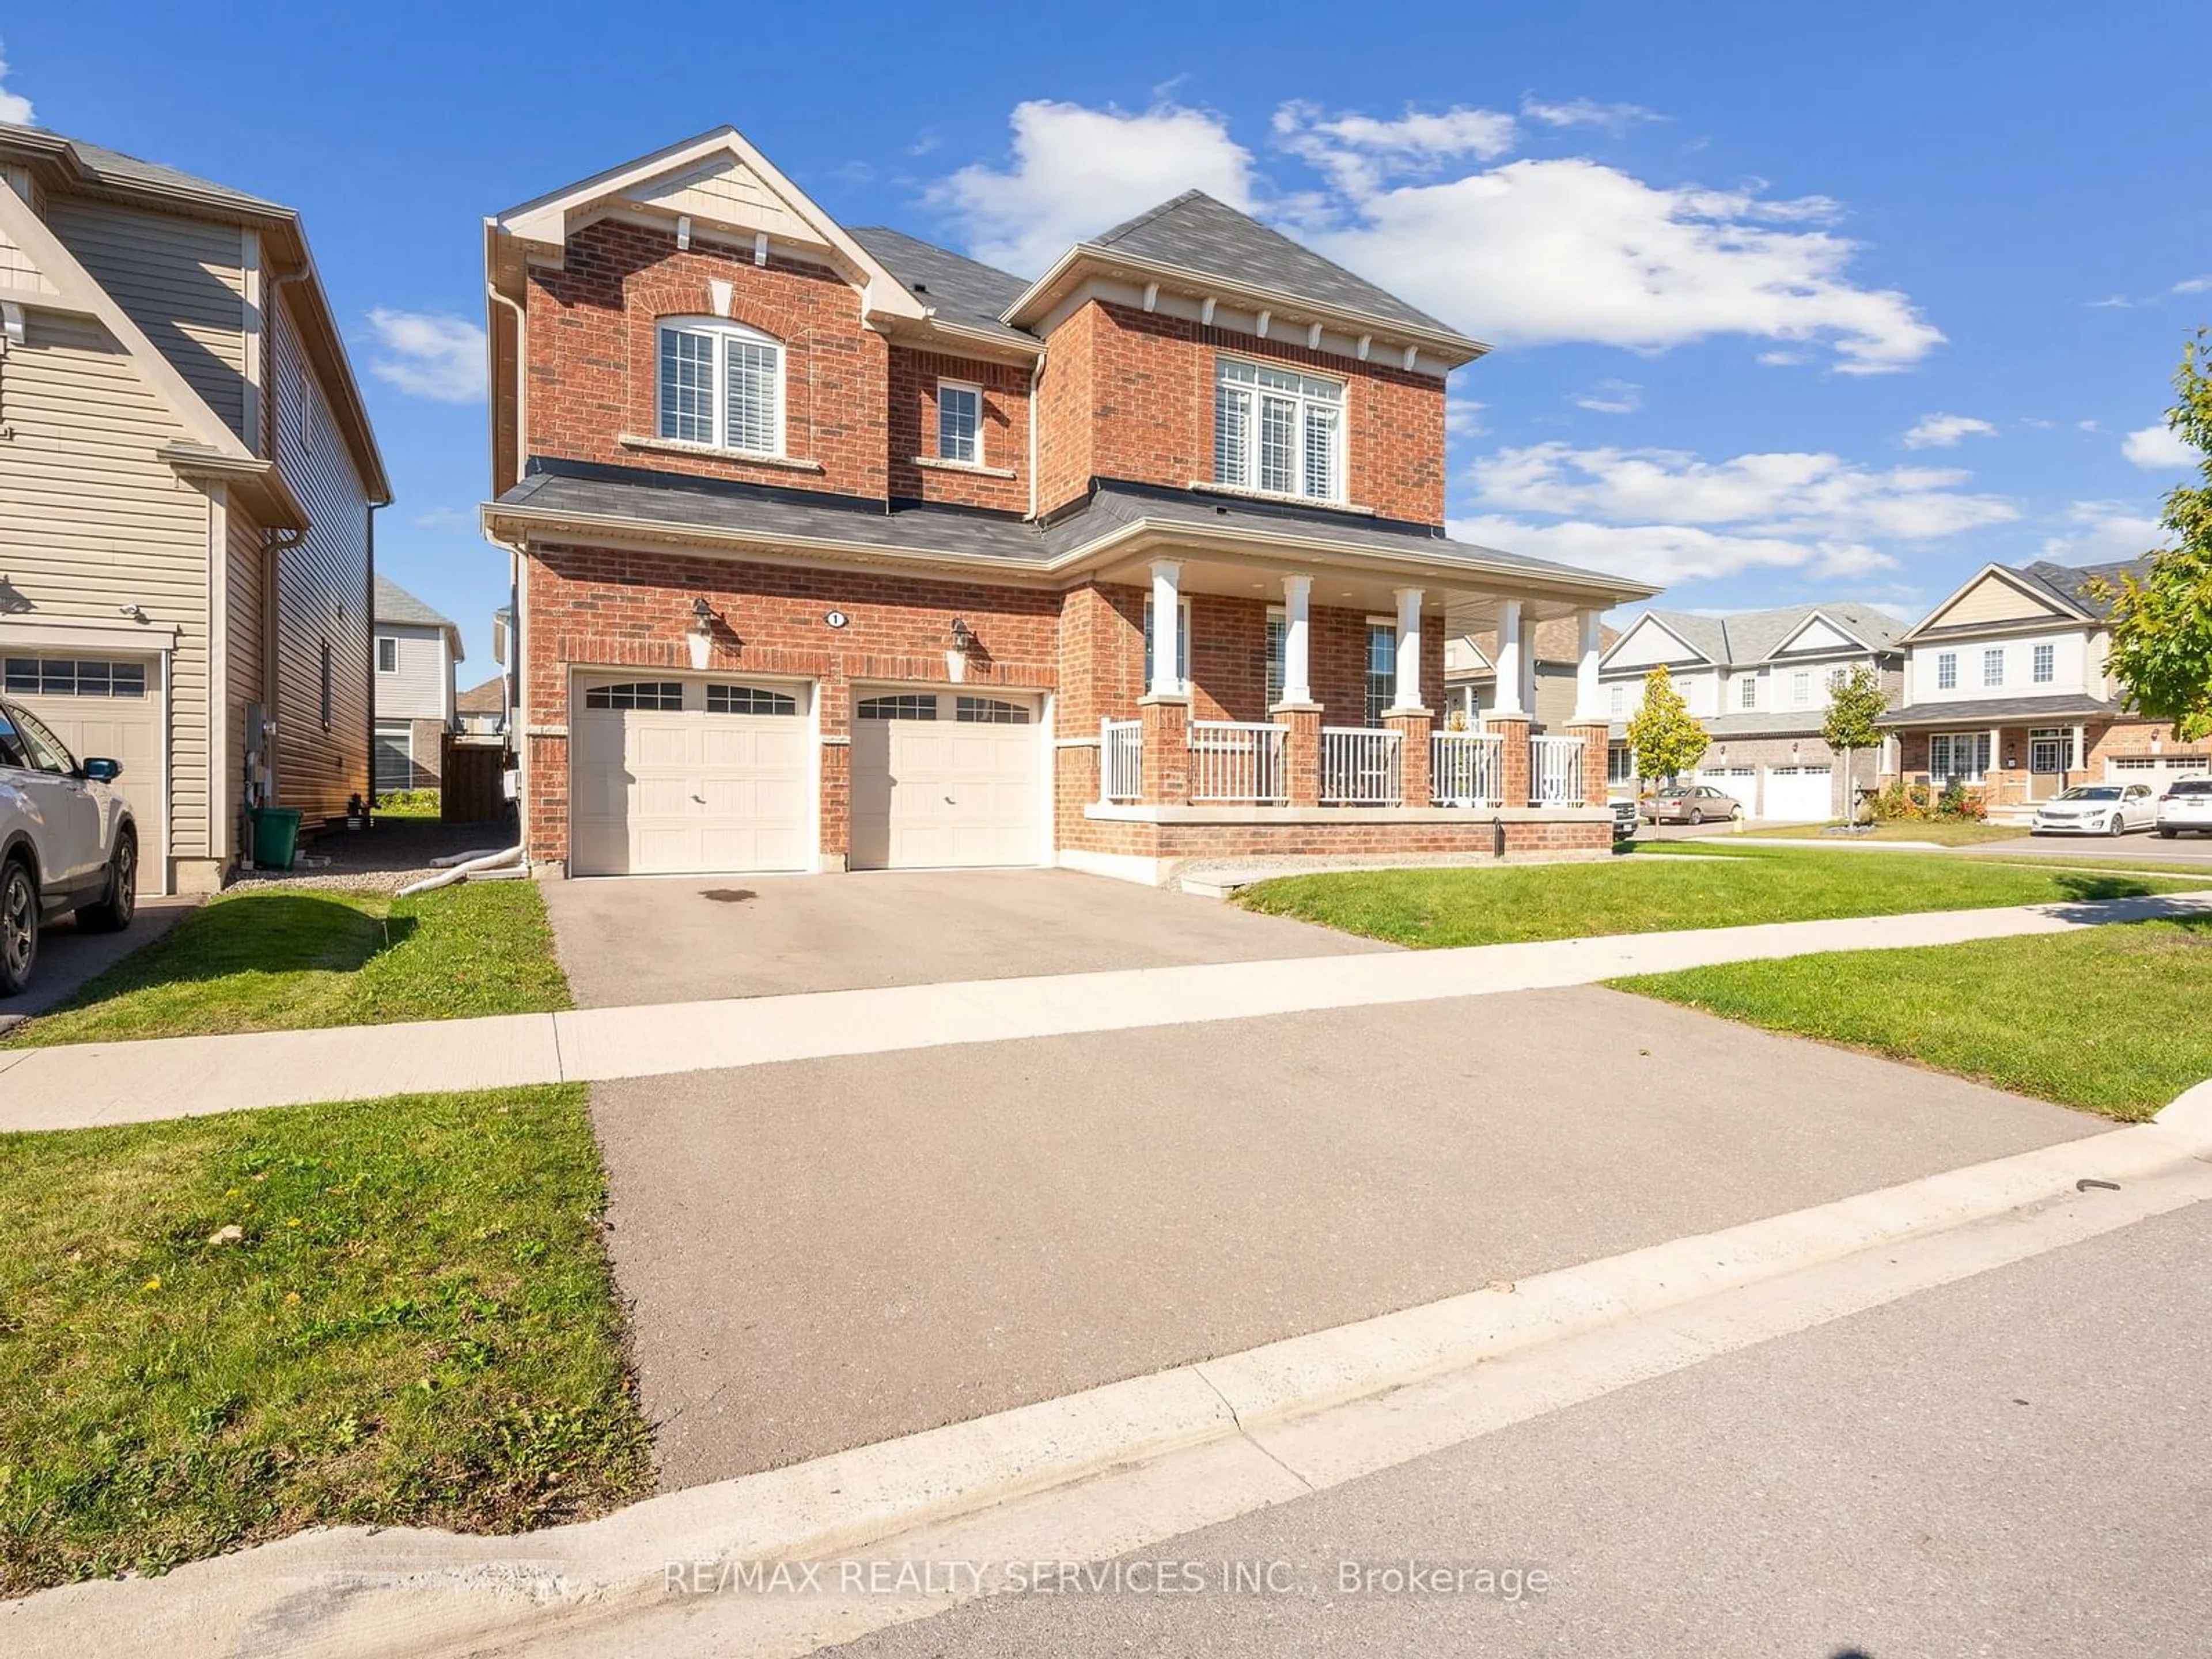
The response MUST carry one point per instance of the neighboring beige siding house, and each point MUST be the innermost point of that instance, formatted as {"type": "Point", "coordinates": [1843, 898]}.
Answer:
{"type": "Point", "coordinates": [417, 650]}
{"type": "Point", "coordinates": [186, 494]}
{"type": "Point", "coordinates": [1547, 674]}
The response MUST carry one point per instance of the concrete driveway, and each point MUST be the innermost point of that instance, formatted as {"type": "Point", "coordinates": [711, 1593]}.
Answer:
{"type": "Point", "coordinates": [825, 1254]}
{"type": "Point", "coordinates": [687, 938]}
{"type": "Point", "coordinates": [70, 957]}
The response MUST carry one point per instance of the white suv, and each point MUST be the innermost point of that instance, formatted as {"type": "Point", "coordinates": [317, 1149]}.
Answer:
{"type": "Point", "coordinates": [2186, 805]}
{"type": "Point", "coordinates": [67, 843]}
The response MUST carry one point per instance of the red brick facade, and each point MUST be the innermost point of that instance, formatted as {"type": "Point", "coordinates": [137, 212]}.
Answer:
{"type": "Point", "coordinates": [2009, 783]}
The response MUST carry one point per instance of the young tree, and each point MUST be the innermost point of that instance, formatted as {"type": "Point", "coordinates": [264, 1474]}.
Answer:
{"type": "Point", "coordinates": [1856, 700]}
{"type": "Point", "coordinates": [1663, 735]}
{"type": "Point", "coordinates": [2162, 626]}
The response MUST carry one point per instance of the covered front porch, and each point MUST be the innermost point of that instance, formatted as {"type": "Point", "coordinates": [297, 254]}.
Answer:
{"type": "Point", "coordinates": [1292, 715]}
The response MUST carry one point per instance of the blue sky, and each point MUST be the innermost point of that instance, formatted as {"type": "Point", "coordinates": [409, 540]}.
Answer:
{"type": "Point", "coordinates": [1790, 302]}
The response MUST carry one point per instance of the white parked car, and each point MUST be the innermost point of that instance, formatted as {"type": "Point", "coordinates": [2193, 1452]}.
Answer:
{"type": "Point", "coordinates": [67, 843]}
{"type": "Point", "coordinates": [2097, 809]}
{"type": "Point", "coordinates": [2186, 805]}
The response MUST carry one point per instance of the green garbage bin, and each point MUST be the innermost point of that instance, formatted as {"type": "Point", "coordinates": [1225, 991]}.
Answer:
{"type": "Point", "coordinates": [275, 836]}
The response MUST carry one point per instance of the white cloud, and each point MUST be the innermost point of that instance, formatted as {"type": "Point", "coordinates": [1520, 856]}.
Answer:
{"type": "Point", "coordinates": [1610, 397]}
{"type": "Point", "coordinates": [1666, 554]}
{"type": "Point", "coordinates": [1804, 497]}
{"type": "Point", "coordinates": [1528, 251]}
{"type": "Point", "coordinates": [428, 355]}
{"type": "Point", "coordinates": [1586, 113]}
{"type": "Point", "coordinates": [1944, 431]}
{"type": "Point", "coordinates": [14, 106]}
{"type": "Point", "coordinates": [2099, 531]}
{"type": "Point", "coordinates": [2159, 449]}
{"type": "Point", "coordinates": [2192, 285]}
{"type": "Point", "coordinates": [1076, 172]}
{"type": "Point", "coordinates": [1463, 417]}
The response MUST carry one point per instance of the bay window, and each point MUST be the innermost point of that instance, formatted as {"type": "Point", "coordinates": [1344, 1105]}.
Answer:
{"type": "Point", "coordinates": [1278, 431]}
{"type": "Point", "coordinates": [720, 384]}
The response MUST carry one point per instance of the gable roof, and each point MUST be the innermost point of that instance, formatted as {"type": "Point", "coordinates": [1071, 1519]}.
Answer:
{"type": "Point", "coordinates": [1748, 638]}
{"type": "Point", "coordinates": [1211, 238]}
{"type": "Point", "coordinates": [959, 288]}
{"type": "Point", "coordinates": [101, 165]}
{"type": "Point", "coordinates": [394, 603]}
{"type": "Point", "coordinates": [2075, 583]}
{"type": "Point", "coordinates": [490, 698]}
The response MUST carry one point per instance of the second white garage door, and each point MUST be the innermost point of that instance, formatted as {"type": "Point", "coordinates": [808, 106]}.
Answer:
{"type": "Point", "coordinates": [1803, 793]}
{"type": "Point", "coordinates": [944, 779]}
{"type": "Point", "coordinates": [673, 777]}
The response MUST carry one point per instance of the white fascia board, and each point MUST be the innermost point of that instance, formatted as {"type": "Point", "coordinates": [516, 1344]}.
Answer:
{"type": "Point", "coordinates": [1826, 620]}
{"type": "Point", "coordinates": [1652, 618]}
{"type": "Point", "coordinates": [2013, 579]}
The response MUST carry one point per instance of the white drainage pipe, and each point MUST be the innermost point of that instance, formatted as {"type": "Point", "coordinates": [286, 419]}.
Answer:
{"type": "Point", "coordinates": [470, 864]}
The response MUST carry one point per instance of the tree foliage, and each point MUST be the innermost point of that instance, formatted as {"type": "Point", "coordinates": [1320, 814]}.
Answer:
{"type": "Point", "coordinates": [2162, 624]}
{"type": "Point", "coordinates": [1663, 734]}
{"type": "Point", "coordinates": [1857, 700]}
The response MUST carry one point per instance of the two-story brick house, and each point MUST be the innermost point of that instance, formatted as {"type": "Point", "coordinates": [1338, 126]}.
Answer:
{"type": "Point", "coordinates": [2007, 690]}
{"type": "Point", "coordinates": [833, 549]}
{"type": "Point", "coordinates": [187, 480]}
{"type": "Point", "coordinates": [1759, 683]}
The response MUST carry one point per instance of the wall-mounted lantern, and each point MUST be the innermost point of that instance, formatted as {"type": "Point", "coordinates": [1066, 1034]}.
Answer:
{"type": "Point", "coordinates": [700, 636]}
{"type": "Point", "coordinates": [955, 659]}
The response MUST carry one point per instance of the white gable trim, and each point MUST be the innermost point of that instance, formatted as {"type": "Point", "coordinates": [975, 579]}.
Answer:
{"type": "Point", "coordinates": [1634, 627]}
{"type": "Point", "coordinates": [547, 219]}
{"type": "Point", "coordinates": [78, 294]}
{"type": "Point", "coordinates": [2035, 591]}
{"type": "Point", "coordinates": [1824, 618]}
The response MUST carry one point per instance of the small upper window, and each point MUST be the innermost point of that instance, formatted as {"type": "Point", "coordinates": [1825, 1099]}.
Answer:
{"type": "Point", "coordinates": [1747, 694]}
{"type": "Point", "coordinates": [720, 384]}
{"type": "Point", "coordinates": [1801, 687]}
{"type": "Point", "coordinates": [1993, 665]}
{"type": "Point", "coordinates": [1947, 670]}
{"type": "Point", "coordinates": [959, 422]}
{"type": "Point", "coordinates": [1278, 431]}
{"type": "Point", "coordinates": [387, 655]}
{"type": "Point", "coordinates": [2046, 664]}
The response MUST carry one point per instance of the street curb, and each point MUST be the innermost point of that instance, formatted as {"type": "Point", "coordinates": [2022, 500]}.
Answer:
{"type": "Point", "coordinates": [357, 1593]}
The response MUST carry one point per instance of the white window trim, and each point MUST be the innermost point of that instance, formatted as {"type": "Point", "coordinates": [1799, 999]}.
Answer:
{"type": "Point", "coordinates": [1993, 656]}
{"type": "Point", "coordinates": [382, 640]}
{"type": "Point", "coordinates": [978, 460]}
{"type": "Point", "coordinates": [2043, 664]}
{"type": "Point", "coordinates": [1947, 670]}
{"type": "Point", "coordinates": [1340, 467]}
{"type": "Point", "coordinates": [1746, 696]}
{"type": "Point", "coordinates": [1367, 665]}
{"type": "Point", "coordinates": [717, 402]}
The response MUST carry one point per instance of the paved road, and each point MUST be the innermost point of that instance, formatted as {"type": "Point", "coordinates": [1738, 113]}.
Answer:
{"type": "Point", "coordinates": [827, 1253]}
{"type": "Point", "coordinates": [2139, 848]}
{"type": "Point", "coordinates": [2013, 1465]}
{"type": "Point", "coordinates": [691, 939]}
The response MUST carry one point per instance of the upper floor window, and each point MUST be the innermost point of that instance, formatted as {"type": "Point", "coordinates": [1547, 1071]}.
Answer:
{"type": "Point", "coordinates": [387, 655]}
{"type": "Point", "coordinates": [1278, 431]}
{"type": "Point", "coordinates": [1801, 687]}
{"type": "Point", "coordinates": [1619, 706]}
{"type": "Point", "coordinates": [2046, 664]}
{"type": "Point", "coordinates": [959, 422]}
{"type": "Point", "coordinates": [720, 384]}
{"type": "Point", "coordinates": [1993, 665]}
{"type": "Point", "coordinates": [1747, 694]}
{"type": "Point", "coordinates": [1947, 670]}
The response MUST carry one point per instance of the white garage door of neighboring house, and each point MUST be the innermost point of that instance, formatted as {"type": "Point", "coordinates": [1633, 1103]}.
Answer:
{"type": "Point", "coordinates": [684, 776]}
{"type": "Point", "coordinates": [945, 778]}
{"type": "Point", "coordinates": [1800, 792]}
{"type": "Point", "coordinates": [1739, 783]}
{"type": "Point", "coordinates": [108, 708]}
{"type": "Point", "coordinates": [2157, 770]}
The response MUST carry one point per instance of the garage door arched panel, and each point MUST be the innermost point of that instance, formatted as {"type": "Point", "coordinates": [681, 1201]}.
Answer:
{"type": "Point", "coordinates": [681, 777]}
{"type": "Point", "coordinates": [945, 780]}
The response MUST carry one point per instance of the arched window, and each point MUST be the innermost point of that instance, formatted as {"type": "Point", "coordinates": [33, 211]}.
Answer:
{"type": "Point", "coordinates": [720, 384]}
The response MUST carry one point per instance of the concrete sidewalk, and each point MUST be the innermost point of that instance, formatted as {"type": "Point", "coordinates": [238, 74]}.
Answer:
{"type": "Point", "coordinates": [83, 1084]}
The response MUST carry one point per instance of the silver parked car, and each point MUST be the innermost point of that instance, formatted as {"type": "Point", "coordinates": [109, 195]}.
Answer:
{"type": "Point", "coordinates": [67, 843]}
{"type": "Point", "coordinates": [2186, 805]}
{"type": "Point", "coordinates": [1691, 803]}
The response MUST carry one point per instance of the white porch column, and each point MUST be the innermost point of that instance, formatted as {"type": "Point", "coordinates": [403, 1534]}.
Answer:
{"type": "Point", "coordinates": [1297, 674]}
{"type": "Point", "coordinates": [1589, 707]}
{"type": "Point", "coordinates": [1997, 752]}
{"type": "Point", "coordinates": [1508, 659]}
{"type": "Point", "coordinates": [1408, 692]}
{"type": "Point", "coordinates": [2079, 760]}
{"type": "Point", "coordinates": [1167, 623]}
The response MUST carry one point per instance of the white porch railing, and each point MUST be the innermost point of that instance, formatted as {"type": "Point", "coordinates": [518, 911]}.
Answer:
{"type": "Point", "coordinates": [1466, 768]}
{"type": "Point", "coordinates": [1121, 760]}
{"type": "Point", "coordinates": [1239, 761]}
{"type": "Point", "coordinates": [1359, 765]}
{"type": "Point", "coordinates": [1555, 771]}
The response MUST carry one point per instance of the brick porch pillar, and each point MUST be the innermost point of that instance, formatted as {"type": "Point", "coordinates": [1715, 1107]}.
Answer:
{"type": "Point", "coordinates": [1413, 727]}
{"type": "Point", "coordinates": [1512, 756]}
{"type": "Point", "coordinates": [1595, 740]}
{"type": "Point", "coordinates": [1167, 749]}
{"type": "Point", "coordinates": [1301, 751]}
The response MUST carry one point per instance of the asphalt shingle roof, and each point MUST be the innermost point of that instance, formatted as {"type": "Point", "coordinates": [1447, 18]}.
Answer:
{"type": "Point", "coordinates": [394, 603]}
{"type": "Point", "coordinates": [1198, 234]}
{"type": "Point", "coordinates": [1749, 637]}
{"type": "Point", "coordinates": [2072, 583]}
{"type": "Point", "coordinates": [113, 165]}
{"type": "Point", "coordinates": [963, 290]}
{"type": "Point", "coordinates": [1976, 713]}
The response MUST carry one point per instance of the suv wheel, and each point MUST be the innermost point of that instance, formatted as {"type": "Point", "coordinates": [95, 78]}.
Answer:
{"type": "Point", "coordinates": [19, 926]}
{"type": "Point", "coordinates": [120, 901]}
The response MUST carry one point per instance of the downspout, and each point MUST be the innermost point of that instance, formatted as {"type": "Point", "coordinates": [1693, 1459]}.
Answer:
{"type": "Point", "coordinates": [521, 407]}
{"type": "Point", "coordinates": [1036, 375]}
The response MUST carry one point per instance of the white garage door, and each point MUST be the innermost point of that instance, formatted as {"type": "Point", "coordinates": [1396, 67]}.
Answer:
{"type": "Point", "coordinates": [2156, 770]}
{"type": "Point", "coordinates": [1799, 793]}
{"type": "Point", "coordinates": [673, 777]}
{"type": "Point", "coordinates": [107, 708]}
{"type": "Point", "coordinates": [944, 778]}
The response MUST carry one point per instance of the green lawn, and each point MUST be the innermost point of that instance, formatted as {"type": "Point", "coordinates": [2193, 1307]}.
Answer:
{"type": "Point", "coordinates": [415, 1325]}
{"type": "Point", "coordinates": [1943, 832]}
{"type": "Point", "coordinates": [277, 959]}
{"type": "Point", "coordinates": [1691, 888]}
{"type": "Point", "coordinates": [2111, 1019]}
{"type": "Point", "coordinates": [2149, 864]}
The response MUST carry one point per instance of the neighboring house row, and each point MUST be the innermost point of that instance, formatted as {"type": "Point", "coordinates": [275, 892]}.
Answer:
{"type": "Point", "coordinates": [417, 703]}
{"type": "Point", "coordinates": [1759, 683]}
{"type": "Point", "coordinates": [833, 549]}
{"type": "Point", "coordinates": [482, 708]}
{"type": "Point", "coordinates": [1550, 667]}
{"type": "Point", "coordinates": [2007, 689]}
{"type": "Point", "coordinates": [186, 494]}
